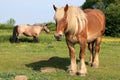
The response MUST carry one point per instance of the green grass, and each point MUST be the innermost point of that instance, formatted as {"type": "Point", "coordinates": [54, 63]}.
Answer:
{"type": "Point", "coordinates": [27, 58]}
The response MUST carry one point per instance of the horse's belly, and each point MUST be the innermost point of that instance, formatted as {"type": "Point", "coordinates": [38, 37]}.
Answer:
{"type": "Point", "coordinates": [92, 37]}
{"type": "Point", "coordinates": [27, 34]}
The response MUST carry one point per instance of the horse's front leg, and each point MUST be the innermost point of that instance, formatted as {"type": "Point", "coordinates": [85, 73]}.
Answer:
{"type": "Point", "coordinates": [82, 68]}
{"type": "Point", "coordinates": [35, 39]}
{"type": "Point", "coordinates": [73, 67]}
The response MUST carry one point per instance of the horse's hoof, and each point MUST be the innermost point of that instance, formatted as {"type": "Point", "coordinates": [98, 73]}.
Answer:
{"type": "Point", "coordinates": [72, 72]}
{"type": "Point", "coordinates": [81, 74]}
{"type": "Point", "coordinates": [89, 64]}
{"type": "Point", "coordinates": [17, 42]}
{"type": "Point", "coordinates": [95, 66]}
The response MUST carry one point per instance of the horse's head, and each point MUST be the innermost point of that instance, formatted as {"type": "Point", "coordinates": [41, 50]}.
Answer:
{"type": "Point", "coordinates": [46, 29]}
{"type": "Point", "coordinates": [61, 23]}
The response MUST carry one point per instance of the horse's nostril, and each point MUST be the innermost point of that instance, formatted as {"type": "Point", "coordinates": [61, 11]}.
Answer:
{"type": "Point", "coordinates": [58, 37]}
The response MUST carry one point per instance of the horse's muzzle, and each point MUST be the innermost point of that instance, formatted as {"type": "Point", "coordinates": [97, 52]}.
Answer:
{"type": "Point", "coordinates": [58, 37]}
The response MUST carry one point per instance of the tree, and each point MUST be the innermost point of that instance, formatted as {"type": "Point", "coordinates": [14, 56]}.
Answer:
{"type": "Point", "coordinates": [113, 20]}
{"type": "Point", "coordinates": [108, 2]}
{"type": "Point", "coordinates": [11, 22]}
{"type": "Point", "coordinates": [99, 4]}
{"type": "Point", "coordinates": [93, 4]}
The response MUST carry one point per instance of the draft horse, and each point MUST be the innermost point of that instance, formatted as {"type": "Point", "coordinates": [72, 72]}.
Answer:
{"type": "Point", "coordinates": [28, 30]}
{"type": "Point", "coordinates": [80, 26]}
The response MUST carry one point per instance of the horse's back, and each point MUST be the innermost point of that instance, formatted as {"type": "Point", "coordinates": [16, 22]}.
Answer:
{"type": "Point", "coordinates": [36, 28]}
{"type": "Point", "coordinates": [96, 22]}
{"type": "Point", "coordinates": [22, 28]}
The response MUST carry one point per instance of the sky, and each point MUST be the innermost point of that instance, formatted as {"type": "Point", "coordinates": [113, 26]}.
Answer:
{"type": "Point", "coordinates": [32, 11]}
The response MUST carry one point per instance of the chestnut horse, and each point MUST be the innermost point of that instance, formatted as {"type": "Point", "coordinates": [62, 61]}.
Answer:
{"type": "Point", "coordinates": [28, 30]}
{"type": "Point", "coordinates": [80, 26]}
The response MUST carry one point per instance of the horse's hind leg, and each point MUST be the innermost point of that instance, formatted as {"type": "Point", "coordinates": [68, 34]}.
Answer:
{"type": "Point", "coordinates": [91, 48]}
{"type": "Point", "coordinates": [35, 39]}
{"type": "Point", "coordinates": [18, 38]}
{"type": "Point", "coordinates": [13, 39]}
{"type": "Point", "coordinates": [95, 63]}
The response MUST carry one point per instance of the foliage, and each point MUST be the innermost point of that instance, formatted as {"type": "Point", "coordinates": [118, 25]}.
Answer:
{"type": "Point", "coordinates": [93, 4]}
{"type": "Point", "coordinates": [108, 2]}
{"type": "Point", "coordinates": [100, 4]}
{"type": "Point", "coordinates": [113, 20]}
{"type": "Point", "coordinates": [6, 26]}
{"type": "Point", "coordinates": [11, 22]}
{"type": "Point", "coordinates": [112, 12]}
{"type": "Point", "coordinates": [51, 26]}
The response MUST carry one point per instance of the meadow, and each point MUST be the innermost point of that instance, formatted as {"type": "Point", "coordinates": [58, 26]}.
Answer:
{"type": "Point", "coordinates": [28, 58]}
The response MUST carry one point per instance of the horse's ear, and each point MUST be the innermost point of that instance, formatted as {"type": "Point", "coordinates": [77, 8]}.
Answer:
{"type": "Point", "coordinates": [55, 8]}
{"type": "Point", "coordinates": [66, 8]}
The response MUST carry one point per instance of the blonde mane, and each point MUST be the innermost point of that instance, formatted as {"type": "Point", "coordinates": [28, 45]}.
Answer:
{"type": "Point", "coordinates": [75, 17]}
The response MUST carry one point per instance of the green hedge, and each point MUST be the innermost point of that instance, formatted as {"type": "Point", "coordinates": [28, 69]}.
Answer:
{"type": "Point", "coordinates": [6, 26]}
{"type": "Point", "coordinates": [51, 26]}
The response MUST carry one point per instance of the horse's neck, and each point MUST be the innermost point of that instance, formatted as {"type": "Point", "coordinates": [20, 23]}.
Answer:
{"type": "Point", "coordinates": [42, 28]}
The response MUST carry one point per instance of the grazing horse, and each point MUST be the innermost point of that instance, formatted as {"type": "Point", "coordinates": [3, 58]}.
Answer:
{"type": "Point", "coordinates": [28, 30]}
{"type": "Point", "coordinates": [80, 26]}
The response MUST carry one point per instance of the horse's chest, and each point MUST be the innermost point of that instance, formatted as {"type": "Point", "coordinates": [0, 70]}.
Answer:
{"type": "Point", "coordinates": [72, 39]}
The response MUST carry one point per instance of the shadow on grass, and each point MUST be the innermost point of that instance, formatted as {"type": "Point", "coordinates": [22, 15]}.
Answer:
{"type": "Point", "coordinates": [9, 38]}
{"type": "Point", "coordinates": [29, 40]}
{"type": "Point", "coordinates": [54, 62]}
{"type": "Point", "coordinates": [26, 40]}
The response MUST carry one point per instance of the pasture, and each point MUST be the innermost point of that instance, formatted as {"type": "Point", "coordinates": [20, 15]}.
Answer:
{"type": "Point", "coordinates": [27, 58]}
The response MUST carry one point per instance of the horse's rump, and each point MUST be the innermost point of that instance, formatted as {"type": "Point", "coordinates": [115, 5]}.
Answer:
{"type": "Point", "coordinates": [96, 23]}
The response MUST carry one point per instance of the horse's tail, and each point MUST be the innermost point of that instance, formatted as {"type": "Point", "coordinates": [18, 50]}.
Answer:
{"type": "Point", "coordinates": [14, 36]}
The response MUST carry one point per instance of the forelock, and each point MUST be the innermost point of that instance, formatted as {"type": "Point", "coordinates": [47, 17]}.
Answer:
{"type": "Point", "coordinates": [59, 14]}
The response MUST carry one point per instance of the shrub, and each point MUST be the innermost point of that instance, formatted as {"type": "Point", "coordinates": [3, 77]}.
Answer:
{"type": "Point", "coordinates": [6, 26]}
{"type": "Point", "coordinates": [51, 26]}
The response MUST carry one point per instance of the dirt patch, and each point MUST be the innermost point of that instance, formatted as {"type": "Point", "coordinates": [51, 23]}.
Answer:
{"type": "Point", "coordinates": [47, 70]}
{"type": "Point", "coordinates": [21, 77]}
